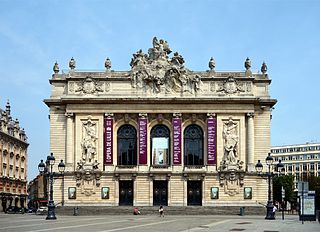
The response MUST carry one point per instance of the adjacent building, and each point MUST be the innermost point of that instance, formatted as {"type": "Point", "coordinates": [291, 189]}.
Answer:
{"type": "Point", "coordinates": [160, 133]}
{"type": "Point", "coordinates": [301, 160]}
{"type": "Point", "coordinates": [13, 161]}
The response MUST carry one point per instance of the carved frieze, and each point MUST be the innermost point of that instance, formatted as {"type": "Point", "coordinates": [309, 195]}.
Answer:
{"type": "Point", "coordinates": [88, 86]}
{"type": "Point", "coordinates": [231, 86]}
{"type": "Point", "coordinates": [155, 72]}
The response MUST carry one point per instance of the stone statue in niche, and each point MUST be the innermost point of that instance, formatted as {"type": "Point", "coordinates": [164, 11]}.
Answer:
{"type": "Point", "coordinates": [230, 160]}
{"type": "Point", "coordinates": [88, 174]}
{"type": "Point", "coordinates": [230, 142]}
{"type": "Point", "coordinates": [88, 142]}
{"type": "Point", "coordinates": [231, 173]}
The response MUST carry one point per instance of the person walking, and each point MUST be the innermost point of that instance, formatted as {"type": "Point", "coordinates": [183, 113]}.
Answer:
{"type": "Point", "coordinates": [161, 213]}
{"type": "Point", "coordinates": [274, 211]}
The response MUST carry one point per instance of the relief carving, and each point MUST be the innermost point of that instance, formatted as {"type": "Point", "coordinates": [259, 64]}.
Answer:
{"type": "Point", "coordinates": [87, 173]}
{"type": "Point", "coordinates": [231, 172]}
{"type": "Point", "coordinates": [88, 142]}
{"type": "Point", "coordinates": [88, 86]}
{"type": "Point", "coordinates": [230, 86]}
{"type": "Point", "coordinates": [155, 72]}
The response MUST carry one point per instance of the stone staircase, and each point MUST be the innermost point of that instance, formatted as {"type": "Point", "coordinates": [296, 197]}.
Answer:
{"type": "Point", "coordinates": [153, 210]}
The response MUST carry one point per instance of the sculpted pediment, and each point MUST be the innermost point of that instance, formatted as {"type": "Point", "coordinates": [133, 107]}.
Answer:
{"type": "Point", "coordinates": [156, 72]}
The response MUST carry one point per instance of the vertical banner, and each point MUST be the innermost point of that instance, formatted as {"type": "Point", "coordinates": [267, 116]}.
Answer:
{"type": "Point", "coordinates": [212, 141]}
{"type": "Point", "coordinates": [176, 122]}
{"type": "Point", "coordinates": [143, 123]}
{"type": "Point", "coordinates": [108, 141]}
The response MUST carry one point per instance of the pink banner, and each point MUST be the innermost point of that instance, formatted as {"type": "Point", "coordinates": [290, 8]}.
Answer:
{"type": "Point", "coordinates": [108, 139]}
{"type": "Point", "coordinates": [143, 136]}
{"type": "Point", "coordinates": [176, 122]}
{"type": "Point", "coordinates": [212, 141]}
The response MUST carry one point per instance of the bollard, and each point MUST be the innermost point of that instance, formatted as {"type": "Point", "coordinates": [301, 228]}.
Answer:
{"type": "Point", "coordinates": [76, 211]}
{"type": "Point", "coordinates": [242, 211]}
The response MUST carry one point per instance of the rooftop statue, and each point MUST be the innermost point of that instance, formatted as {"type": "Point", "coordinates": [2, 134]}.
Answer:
{"type": "Point", "coordinates": [107, 64]}
{"type": "Point", "coordinates": [156, 72]}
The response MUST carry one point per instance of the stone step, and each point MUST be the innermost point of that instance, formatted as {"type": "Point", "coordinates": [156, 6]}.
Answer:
{"type": "Point", "coordinates": [153, 210]}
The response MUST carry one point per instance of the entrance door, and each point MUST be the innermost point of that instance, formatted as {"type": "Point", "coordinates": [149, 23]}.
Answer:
{"type": "Point", "coordinates": [125, 192]}
{"type": "Point", "coordinates": [160, 192]}
{"type": "Point", "coordinates": [194, 189]}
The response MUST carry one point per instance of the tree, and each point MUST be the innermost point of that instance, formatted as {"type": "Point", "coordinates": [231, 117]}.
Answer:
{"type": "Point", "coordinates": [314, 185]}
{"type": "Point", "coordinates": [287, 182]}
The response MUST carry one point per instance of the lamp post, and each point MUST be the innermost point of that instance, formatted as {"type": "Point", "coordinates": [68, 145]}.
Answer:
{"type": "Point", "coordinates": [47, 169]}
{"type": "Point", "coordinates": [269, 174]}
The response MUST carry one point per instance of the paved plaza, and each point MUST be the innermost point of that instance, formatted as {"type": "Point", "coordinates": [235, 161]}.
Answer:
{"type": "Point", "coordinates": [107, 223]}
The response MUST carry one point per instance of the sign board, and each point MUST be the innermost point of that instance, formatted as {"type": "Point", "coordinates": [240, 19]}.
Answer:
{"type": "Point", "coordinates": [307, 207]}
{"type": "Point", "coordinates": [303, 188]}
{"type": "Point", "coordinates": [176, 122]}
{"type": "Point", "coordinates": [283, 193]}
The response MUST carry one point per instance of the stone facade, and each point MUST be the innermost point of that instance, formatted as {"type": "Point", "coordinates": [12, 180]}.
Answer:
{"type": "Point", "coordinates": [13, 161]}
{"type": "Point", "coordinates": [160, 133]}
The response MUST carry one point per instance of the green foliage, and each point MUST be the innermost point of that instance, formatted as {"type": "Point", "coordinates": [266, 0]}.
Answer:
{"type": "Point", "coordinates": [287, 181]}
{"type": "Point", "coordinates": [314, 184]}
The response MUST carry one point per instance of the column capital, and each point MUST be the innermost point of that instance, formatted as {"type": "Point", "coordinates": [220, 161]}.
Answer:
{"type": "Point", "coordinates": [211, 115]}
{"type": "Point", "coordinates": [250, 115]}
{"type": "Point", "coordinates": [69, 114]}
{"type": "Point", "coordinates": [109, 115]}
{"type": "Point", "coordinates": [143, 115]}
{"type": "Point", "coordinates": [177, 115]}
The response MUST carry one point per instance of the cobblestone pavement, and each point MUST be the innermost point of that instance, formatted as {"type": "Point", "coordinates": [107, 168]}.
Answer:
{"type": "Point", "coordinates": [106, 223]}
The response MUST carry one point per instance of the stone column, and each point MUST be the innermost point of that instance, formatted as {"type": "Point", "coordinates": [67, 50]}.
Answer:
{"type": "Point", "coordinates": [69, 139]}
{"type": "Point", "coordinates": [250, 143]}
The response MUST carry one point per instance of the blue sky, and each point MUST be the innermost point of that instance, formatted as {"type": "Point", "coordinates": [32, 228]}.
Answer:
{"type": "Point", "coordinates": [285, 34]}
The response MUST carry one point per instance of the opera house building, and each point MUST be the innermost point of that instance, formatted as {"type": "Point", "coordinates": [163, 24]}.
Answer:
{"type": "Point", "coordinates": [160, 133]}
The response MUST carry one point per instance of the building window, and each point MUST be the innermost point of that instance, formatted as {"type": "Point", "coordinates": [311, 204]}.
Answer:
{"type": "Point", "coordinates": [160, 145]}
{"type": "Point", "coordinates": [312, 166]}
{"type": "Point", "coordinates": [127, 145]}
{"type": "Point", "coordinates": [304, 167]}
{"type": "Point", "coordinates": [193, 145]}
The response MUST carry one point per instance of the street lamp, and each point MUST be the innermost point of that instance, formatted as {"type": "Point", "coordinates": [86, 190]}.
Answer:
{"type": "Point", "coordinates": [269, 174]}
{"type": "Point", "coordinates": [44, 169]}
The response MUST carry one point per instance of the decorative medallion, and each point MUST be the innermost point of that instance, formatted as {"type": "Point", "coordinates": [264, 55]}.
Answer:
{"type": "Point", "coordinates": [230, 86]}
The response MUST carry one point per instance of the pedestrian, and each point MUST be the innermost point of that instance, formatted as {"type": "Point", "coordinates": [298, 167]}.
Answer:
{"type": "Point", "coordinates": [161, 213]}
{"type": "Point", "coordinates": [136, 211]}
{"type": "Point", "coordinates": [274, 211]}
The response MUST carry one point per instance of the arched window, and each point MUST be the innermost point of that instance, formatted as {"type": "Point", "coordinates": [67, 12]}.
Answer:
{"type": "Point", "coordinates": [193, 145]}
{"type": "Point", "coordinates": [160, 145]}
{"type": "Point", "coordinates": [127, 145]}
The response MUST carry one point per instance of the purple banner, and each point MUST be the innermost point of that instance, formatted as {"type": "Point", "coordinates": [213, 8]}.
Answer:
{"type": "Point", "coordinates": [143, 124]}
{"type": "Point", "coordinates": [108, 138]}
{"type": "Point", "coordinates": [212, 141]}
{"type": "Point", "coordinates": [176, 122]}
